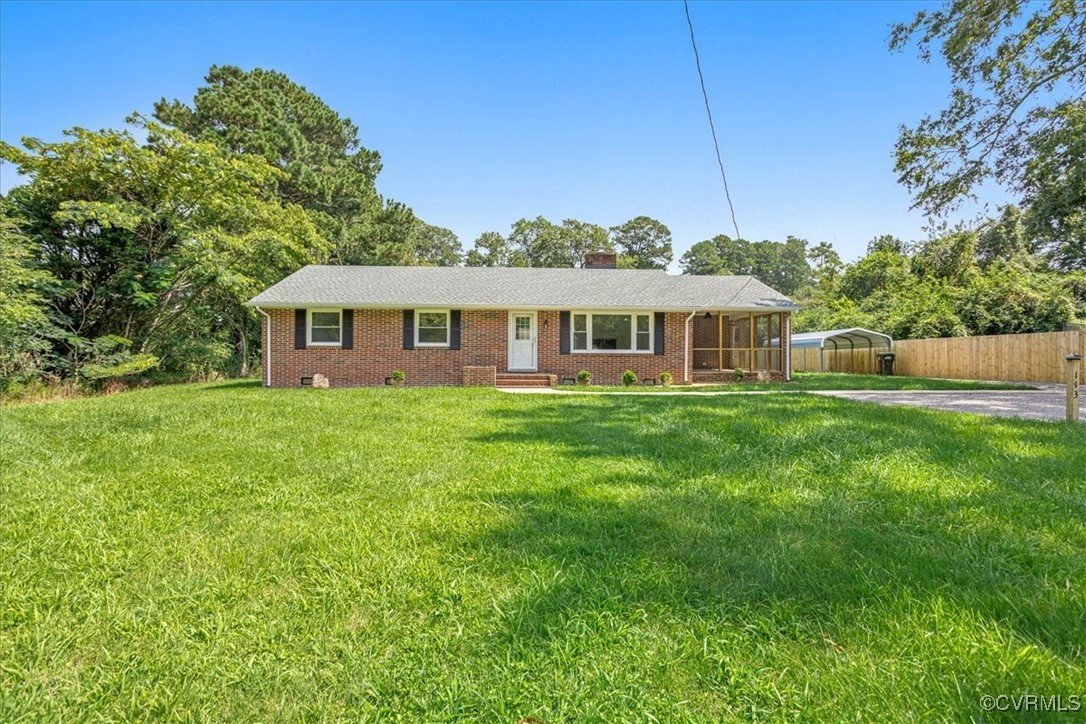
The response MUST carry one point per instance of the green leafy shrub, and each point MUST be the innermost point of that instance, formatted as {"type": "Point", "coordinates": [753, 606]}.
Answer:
{"type": "Point", "coordinates": [584, 377]}
{"type": "Point", "coordinates": [665, 378]}
{"type": "Point", "coordinates": [738, 372]}
{"type": "Point", "coordinates": [106, 357]}
{"type": "Point", "coordinates": [629, 379]}
{"type": "Point", "coordinates": [398, 378]}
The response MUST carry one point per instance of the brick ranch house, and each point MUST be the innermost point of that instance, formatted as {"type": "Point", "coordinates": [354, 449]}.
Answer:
{"type": "Point", "coordinates": [512, 326]}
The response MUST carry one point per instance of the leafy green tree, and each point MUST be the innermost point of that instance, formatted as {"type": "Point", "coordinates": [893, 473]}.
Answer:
{"type": "Point", "coordinates": [541, 243]}
{"type": "Point", "coordinates": [880, 270]}
{"type": "Point", "coordinates": [827, 262]}
{"type": "Point", "coordinates": [951, 256]}
{"type": "Point", "coordinates": [1075, 284]}
{"type": "Point", "coordinates": [888, 243]}
{"type": "Point", "coordinates": [719, 255]}
{"type": "Point", "coordinates": [835, 313]}
{"type": "Point", "coordinates": [1010, 298]}
{"type": "Point", "coordinates": [325, 168]}
{"type": "Point", "coordinates": [703, 258]}
{"type": "Point", "coordinates": [643, 243]}
{"type": "Point", "coordinates": [1053, 185]}
{"type": "Point", "coordinates": [581, 237]}
{"type": "Point", "coordinates": [918, 310]}
{"type": "Point", "coordinates": [25, 326]}
{"type": "Point", "coordinates": [941, 289]}
{"type": "Point", "coordinates": [144, 236]}
{"type": "Point", "coordinates": [1005, 238]}
{"type": "Point", "coordinates": [782, 265]}
{"type": "Point", "coordinates": [435, 245]}
{"type": "Point", "coordinates": [492, 249]}
{"type": "Point", "coordinates": [380, 239]}
{"type": "Point", "coordinates": [735, 254]}
{"type": "Point", "coordinates": [1018, 74]}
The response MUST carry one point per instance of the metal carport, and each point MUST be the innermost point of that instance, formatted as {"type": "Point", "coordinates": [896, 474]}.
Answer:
{"type": "Point", "coordinates": [838, 340]}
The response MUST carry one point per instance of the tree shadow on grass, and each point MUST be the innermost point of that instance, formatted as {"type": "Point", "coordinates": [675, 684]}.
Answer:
{"type": "Point", "coordinates": [818, 507]}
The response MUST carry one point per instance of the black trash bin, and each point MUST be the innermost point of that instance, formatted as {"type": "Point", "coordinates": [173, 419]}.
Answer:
{"type": "Point", "coordinates": [886, 363]}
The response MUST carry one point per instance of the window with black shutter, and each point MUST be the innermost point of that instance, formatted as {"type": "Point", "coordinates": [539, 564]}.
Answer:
{"type": "Point", "coordinates": [409, 329]}
{"type": "Point", "coordinates": [454, 329]}
{"type": "Point", "coordinates": [299, 328]}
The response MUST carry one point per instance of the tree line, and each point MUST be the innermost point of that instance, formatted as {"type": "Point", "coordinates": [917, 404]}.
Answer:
{"type": "Point", "coordinates": [135, 249]}
{"type": "Point", "coordinates": [132, 250]}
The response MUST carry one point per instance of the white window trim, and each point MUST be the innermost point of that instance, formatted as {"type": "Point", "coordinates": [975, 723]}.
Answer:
{"type": "Point", "coordinates": [633, 331]}
{"type": "Point", "coordinates": [448, 327]}
{"type": "Point", "coordinates": [309, 327]}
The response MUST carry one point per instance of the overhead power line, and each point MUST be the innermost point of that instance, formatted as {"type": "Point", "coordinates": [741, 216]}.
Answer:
{"type": "Point", "coordinates": [709, 112]}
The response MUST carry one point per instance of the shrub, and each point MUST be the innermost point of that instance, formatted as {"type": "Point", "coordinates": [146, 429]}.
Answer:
{"type": "Point", "coordinates": [629, 379]}
{"type": "Point", "coordinates": [738, 372]}
{"type": "Point", "coordinates": [113, 386]}
{"type": "Point", "coordinates": [665, 378]}
{"type": "Point", "coordinates": [38, 390]}
{"type": "Point", "coordinates": [398, 378]}
{"type": "Point", "coordinates": [584, 377]}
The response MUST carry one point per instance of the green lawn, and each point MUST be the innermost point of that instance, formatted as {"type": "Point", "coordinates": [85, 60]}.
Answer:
{"type": "Point", "coordinates": [225, 552]}
{"type": "Point", "coordinates": [810, 381]}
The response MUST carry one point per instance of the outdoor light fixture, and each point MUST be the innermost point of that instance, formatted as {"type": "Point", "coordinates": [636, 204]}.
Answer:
{"type": "Point", "coordinates": [708, 315]}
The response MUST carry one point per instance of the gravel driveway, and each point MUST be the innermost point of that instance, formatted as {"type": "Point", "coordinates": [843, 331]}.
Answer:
{"type": "Point", "coordinates": [1044, 404]}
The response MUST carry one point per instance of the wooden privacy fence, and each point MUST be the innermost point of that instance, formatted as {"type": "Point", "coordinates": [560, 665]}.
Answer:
{"type": "Point", "coordinates": [1022, 357]}
{"type": "Point", "coordinates": [859, 361]}
{"type": "Point", "coordinates": [1026, 357]}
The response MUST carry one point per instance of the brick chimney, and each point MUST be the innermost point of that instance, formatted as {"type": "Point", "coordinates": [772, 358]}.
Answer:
{"type": "Point", "coordinates": [600, 260]}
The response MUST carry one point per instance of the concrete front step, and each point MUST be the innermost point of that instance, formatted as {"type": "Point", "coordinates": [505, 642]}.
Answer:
{"type": "Point", "coordinates": [522, 379]}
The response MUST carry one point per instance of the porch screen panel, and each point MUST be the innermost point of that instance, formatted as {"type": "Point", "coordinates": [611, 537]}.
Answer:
{"type": "Point", "coordinates": [761, 342]}
{"type": "Point", "coordinates": [740, 343]}
{"type": "Point", "coordinates": [776, 340]}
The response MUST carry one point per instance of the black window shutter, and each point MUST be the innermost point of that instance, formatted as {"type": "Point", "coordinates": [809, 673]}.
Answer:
{"type": "Point", "coordinates": [347, 337]}
{"type": "Point", "coordinates": [563, 333]}
{"type": "Point", "coordinates": [658, 334]}
{"type": "Point", "coordinates": [409, 329]}
{"type": "Point", "coordinates": [299, 329]}
{"type": "Point", "coordinates": [454, 329]}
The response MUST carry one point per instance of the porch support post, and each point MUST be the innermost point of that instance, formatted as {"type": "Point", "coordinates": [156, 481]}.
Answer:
{"type": "Point", "coordinates": [719, 340]}
{"type": "Point", "coordinates": [750, 337]}
{"type": "Point", "coordinates": [786, 346]}
{"type": "Point", "coordinates": [686, 346]}
{"type": "Point", "coordinates": [780, 338]}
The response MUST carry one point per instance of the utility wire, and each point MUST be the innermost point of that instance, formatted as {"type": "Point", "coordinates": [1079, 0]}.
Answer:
{"type": "Point", "coordinates": [708, 112]}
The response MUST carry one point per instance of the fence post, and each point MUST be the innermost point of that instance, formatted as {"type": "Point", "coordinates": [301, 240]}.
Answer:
{"type": "Point", "coordinates": [1072, 386]}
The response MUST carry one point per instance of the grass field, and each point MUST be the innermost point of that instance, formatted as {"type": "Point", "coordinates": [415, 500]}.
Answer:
{"type": "Point", "coordinates": [226, 552]}
{"type": "Point", "coordinates": [811, 381]}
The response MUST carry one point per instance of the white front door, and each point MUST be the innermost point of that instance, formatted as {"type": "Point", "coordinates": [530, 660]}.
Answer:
{"type": "Point", "coordinates": [522, 340]}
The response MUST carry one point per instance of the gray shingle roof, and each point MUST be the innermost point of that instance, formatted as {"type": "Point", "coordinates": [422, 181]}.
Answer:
{"type": "Point", "coordinates": [378, 287]}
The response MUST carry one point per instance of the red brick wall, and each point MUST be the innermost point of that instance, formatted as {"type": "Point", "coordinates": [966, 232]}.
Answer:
{"type": "Point", "coordinates": [480, 376]}
{"type": "Point", "coordinates": [607, 368]}
{"type": "Point", "coordinates": [378, 349]}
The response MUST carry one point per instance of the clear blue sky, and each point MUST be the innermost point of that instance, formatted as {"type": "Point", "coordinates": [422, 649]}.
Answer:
{"type": "Point", "coordinates": [487, 112]}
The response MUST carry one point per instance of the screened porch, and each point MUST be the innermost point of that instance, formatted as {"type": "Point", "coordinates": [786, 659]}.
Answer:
{"type": "Point", "coordinates": [738, 340]}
